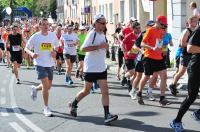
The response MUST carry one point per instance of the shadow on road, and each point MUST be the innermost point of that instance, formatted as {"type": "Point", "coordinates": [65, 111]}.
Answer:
{"type": "Point", "coordinates": [120, 123]}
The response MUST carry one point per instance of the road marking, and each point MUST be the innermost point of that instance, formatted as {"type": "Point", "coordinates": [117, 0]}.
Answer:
{"type": "Point", "coordinates": [17, 127]}
{"type": "Point", "coordinates": [3, 111]}
{"type": "Point", "coordinates": [17, 111]}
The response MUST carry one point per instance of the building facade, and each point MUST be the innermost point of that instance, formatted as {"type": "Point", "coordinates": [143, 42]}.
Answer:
{"type": "Point", "coordinates": [176, 11]}
{"type": "Point", "coordinates": [60, 11]}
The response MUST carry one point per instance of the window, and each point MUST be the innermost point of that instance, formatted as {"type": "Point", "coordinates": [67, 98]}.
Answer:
{"type": "Point", "coordinates": [111, 12]}
{"type": "Point", "coordinates": [132, 8]}
{"type": "Point", "coordinates": [122, 11]}
{"type": "Point", "coordinates": [103, 9]}
{"type": "Point", "coordinates": [99, 8]}
{"type": "Point", "coordinates": [106, 10]}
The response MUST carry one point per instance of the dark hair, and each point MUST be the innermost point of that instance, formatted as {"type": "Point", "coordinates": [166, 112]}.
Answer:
{"type": "Point", "coordinates": [135, 24]}
{"type": "Point", "coordinates": [14, 26]}
{"type": "Point", "coordinates": [60, 25]}
{"type": "Point", "coordinates": [43, 19]}
{"type": "Point", "coordinates": [193, 4]}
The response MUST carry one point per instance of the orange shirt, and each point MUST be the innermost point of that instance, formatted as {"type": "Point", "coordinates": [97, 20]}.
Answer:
{"type": "Point", "coordinates": [4, 36]}
{"type": "Point", "coordinates": [152, 34]}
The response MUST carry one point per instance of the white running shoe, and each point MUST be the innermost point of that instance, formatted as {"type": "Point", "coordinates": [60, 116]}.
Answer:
{"type": "Point", "coordinates": [150, 96]}
{"type": "Point", "coordinates": [47, 112]}
{"type": "Point", "coordinates": [33, 93]}
{"type": "Point", "coordinates": [133, 94]}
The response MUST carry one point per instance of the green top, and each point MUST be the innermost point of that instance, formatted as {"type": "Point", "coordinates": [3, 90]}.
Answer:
{"type": "Point", "coordinates": [81, 39]}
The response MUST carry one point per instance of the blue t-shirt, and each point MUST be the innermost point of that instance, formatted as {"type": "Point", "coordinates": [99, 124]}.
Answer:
{"type": "Point", "coordinates": [167, 38]}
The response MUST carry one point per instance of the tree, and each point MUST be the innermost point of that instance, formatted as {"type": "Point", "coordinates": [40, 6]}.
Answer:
{"type": "Point", "coordinates": [52, 6]}
{"type": "Point", "coordinates": [36, 6]}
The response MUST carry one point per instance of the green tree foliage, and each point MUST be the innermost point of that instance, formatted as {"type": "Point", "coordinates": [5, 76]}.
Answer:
{"type": "Point", "coordinates": [36, 6]}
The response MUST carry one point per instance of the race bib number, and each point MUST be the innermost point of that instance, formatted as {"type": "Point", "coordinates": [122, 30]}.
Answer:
{"type": "Point", "coordinates": [70, 45]}
{"type": "Point", "coordinates": [134, 51]}
{"type": "Point", "coordinates": [159, 43]}
{"type": "Point", "coordinates": [165, 48]}
{"type": "Point", "coordinates": [46, 47]}
{"type": "Point", "coordinates": [16, 48]}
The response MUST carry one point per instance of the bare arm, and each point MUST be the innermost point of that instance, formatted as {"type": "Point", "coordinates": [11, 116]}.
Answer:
{"type": "Point", "coordinates": [171, 43]}
{"type": "Point", "coordinates": [28, 51]}
{"type": "Point", "coordinates": [184, 39]}
{"type": "Point", "coordinates": [193, 49]}
{"type": "Point", "coordinates": [97, 47]}
{"type": "Point", "coordinates": [146, 46]}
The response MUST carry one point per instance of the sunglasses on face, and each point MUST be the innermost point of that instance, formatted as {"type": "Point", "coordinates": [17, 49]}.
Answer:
{"type": "Point", "coordinates": [137, 27]}
{"type": "Point", "coordinates": [102, 23]}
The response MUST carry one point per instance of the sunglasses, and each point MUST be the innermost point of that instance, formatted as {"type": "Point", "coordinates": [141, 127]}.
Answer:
{"type": "Point", "coordinates": [102, 23]}
{"type": "Point", "coordinates": [137, 27]}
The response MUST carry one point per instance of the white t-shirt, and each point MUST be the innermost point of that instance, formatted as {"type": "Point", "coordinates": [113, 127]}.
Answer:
{"type": "Point", "coordinates": [94, 60]}
{"type": "Point", "coordinates": [43, 45]}
{"type": "Point", "coordinates": [69, 39]}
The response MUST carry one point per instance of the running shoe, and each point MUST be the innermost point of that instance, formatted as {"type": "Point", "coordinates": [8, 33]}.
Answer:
{"type": "Point", "coordinates": [150, 96]}
{"type": "Point", "coordinates": [109, 118]}
{"type": "Point", "coordinates": [33, 93]}
{"type": "Point", "coordinates": [47, 112]}
{"type": "Point", "coordinates": [177, 126]}
{"type": "Point", "coordinates": [72, 109]}
{"type": "Point", "coordinates": [195, 115]}
{"type": "Point", "coordinates": [164, 102]}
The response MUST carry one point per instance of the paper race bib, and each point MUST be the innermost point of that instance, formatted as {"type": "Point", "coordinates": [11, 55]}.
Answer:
{"type": "Point", "coordinates": [134, 51]}
{"type": "Point", "coordinates": [16, 48]}
{"type": "Point", "coordinates": [165, 48]}
{"type": "Point", "coordinates": [46, 47]}
{"type": "Point", "coordinates": [159, 43]}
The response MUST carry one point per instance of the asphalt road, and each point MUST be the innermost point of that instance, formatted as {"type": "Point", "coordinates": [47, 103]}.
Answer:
{"type": "Point", "coordinates": [19, 113]}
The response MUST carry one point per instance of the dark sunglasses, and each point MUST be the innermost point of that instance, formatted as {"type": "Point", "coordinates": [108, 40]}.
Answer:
{"type": "Point", "coordinates": [102, 23]}
{"type": "Point", "coordinates": [137, 27]}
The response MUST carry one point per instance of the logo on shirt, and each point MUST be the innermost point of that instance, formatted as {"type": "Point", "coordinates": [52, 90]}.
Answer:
{"type": "Point", "coordinates": [46, 47]}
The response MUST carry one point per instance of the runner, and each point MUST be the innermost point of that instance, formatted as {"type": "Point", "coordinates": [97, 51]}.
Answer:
{"type": "Point", "coordinates": [128, 29]}
{"type": "Point", "coordinates": [7, 47]}
{"type": "Point", "coordinates": [120, 53]}
{"type": "Point", "coordinates": [59, 53]}
{"type": "Point", "coordinates": [185, 57]}
{"type": "Point", "coordinates": [95, 69]}
{"type": "Point", "coordinates": [139, 64]}
{"type": "Point", "coordinates": [70, 40]}
{"type": "Point", "coordinates": [2, 46]}
{"type": "Point", "coordinates": [81, 54]}
{"type": "Point", "coordinates": [193, 82]}
{"type": "Point", "coordinates": [130, 55]}
{"type": "Point", "coordinates": [44, 44]}
{"type": "Point", "coordinates": [14, 41]}
{"type": "Point", "coordinates": [153, 60]}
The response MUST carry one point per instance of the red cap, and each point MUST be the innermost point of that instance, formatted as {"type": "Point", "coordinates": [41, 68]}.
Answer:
{"type": "Point", "coordinates": [162, 19]}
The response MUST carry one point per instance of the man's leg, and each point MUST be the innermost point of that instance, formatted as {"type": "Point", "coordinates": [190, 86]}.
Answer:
{"type": "Point", "coordinates": [105, 101]}
{"type": "Point", "coordinates": [193, 89]}
{"type": "Point", "coordinates": [45, 89]}
{"type": "Point", "coordinates": [142, 83]}
{"type": "Point", "coordinates": [86, 90]}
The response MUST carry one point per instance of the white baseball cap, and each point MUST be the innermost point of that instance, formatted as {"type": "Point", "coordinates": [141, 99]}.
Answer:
{"type": "Point", "coordinates": [99, 16]}
{"type": "Point", "coordinates": [82, 28]}
{"type": "Point", "coordinates": [133, 19]}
